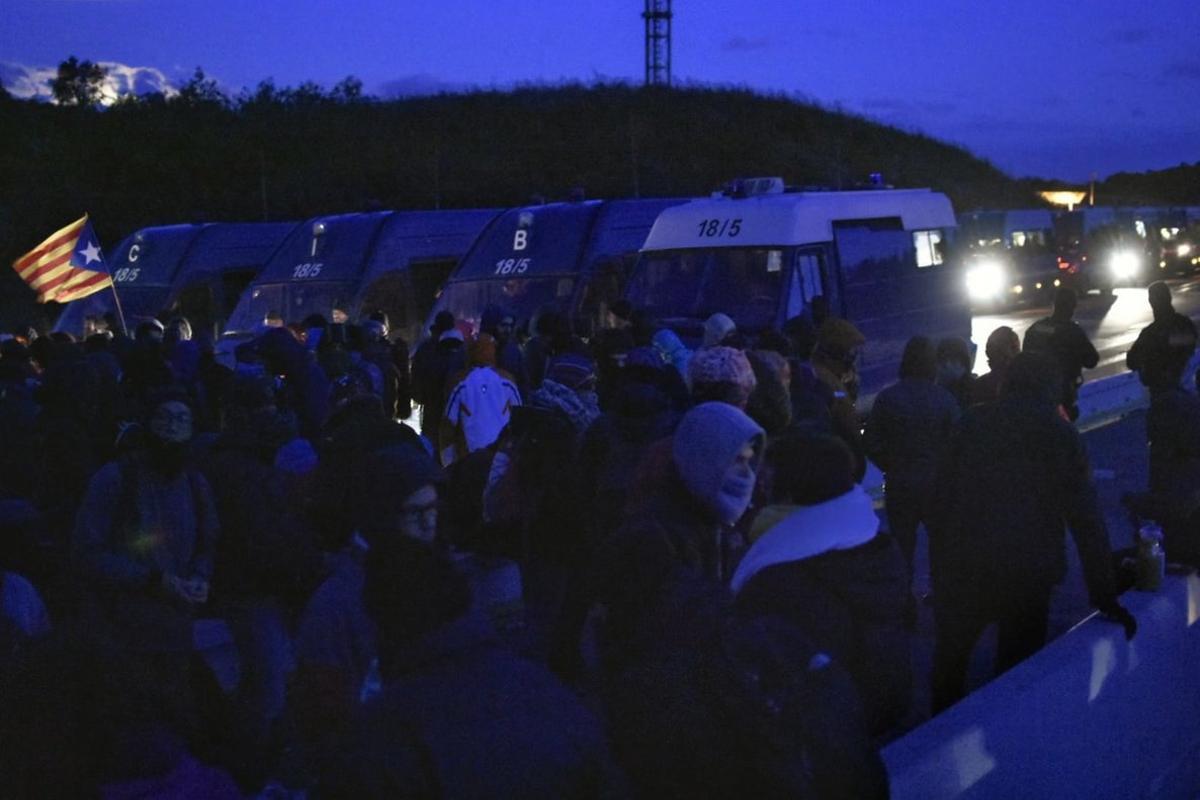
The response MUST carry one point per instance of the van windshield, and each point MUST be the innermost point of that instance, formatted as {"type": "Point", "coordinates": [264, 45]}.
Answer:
{"type": "Point", "coordinates": [522, 297]}
{"type": "Point", "coordinates": [294, 301]}
{"type": "Point", "coordinates": [744, 283]}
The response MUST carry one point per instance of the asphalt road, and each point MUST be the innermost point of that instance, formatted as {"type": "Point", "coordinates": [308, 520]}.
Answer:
{"type": "Point", "coordinates": [1112, 323]}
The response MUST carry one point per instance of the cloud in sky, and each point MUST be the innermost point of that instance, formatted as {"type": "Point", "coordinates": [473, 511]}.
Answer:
{"type": "Point", "coordinates": [33, 82]}
{"type": "Point", "coordinates": [742, 44]}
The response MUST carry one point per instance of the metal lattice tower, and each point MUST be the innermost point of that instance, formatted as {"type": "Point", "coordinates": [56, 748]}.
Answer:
{"type": "Point", "coordinates": [658, 42]}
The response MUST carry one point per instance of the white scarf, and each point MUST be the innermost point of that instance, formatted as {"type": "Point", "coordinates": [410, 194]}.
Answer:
{"type": "Point", "coordinates": [845, 522]}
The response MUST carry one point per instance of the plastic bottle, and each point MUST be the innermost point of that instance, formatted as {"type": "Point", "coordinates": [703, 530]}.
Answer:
{"type": "Point", "coordinates": [1151, 560]}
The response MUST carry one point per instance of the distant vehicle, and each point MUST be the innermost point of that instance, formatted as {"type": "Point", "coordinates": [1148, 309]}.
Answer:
{"type": "Point", "coordinates": [1008, 257]}
{"type": "Point", "coordinates": [347, 266]}
{"type": "Point", "coordinates": [573, 257]}
{"type": "Point", "coordinates": [197, 271]}
{"type": "Point", "coordinates": [761, 254]}
{"type": "Point", "coordinates": [1101, 248]}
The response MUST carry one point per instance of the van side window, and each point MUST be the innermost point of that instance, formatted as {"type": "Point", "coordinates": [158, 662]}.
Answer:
{"type": "Point", "coordinates": [928, 245]}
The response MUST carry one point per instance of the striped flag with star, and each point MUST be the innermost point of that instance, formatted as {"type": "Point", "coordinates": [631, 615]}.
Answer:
{"type": "Point", "coordinates": [67, 266]}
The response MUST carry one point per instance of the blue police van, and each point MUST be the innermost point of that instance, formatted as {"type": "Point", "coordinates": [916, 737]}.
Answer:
{"type": "Point", "coordinates": [761, 253]}
{"type": "Point", "coordinates": [349, 265]}
{"type": "Point", "coordinates": [573, 257]}
{"type": "Point", "coordinates": [196, 271]}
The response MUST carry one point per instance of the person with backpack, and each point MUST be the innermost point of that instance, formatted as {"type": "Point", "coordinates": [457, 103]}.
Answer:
{"type": "Point", "coordinates": [820, 561]}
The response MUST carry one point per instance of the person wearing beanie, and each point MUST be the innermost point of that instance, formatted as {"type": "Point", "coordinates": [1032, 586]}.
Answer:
{"type": "Point", "coordinates": [835, 365]}
{"type": "Point", "coordinates": [1060, 337]}
{"type": "Point", "coordinates": [820, 561]}
{"type": "Point", "coordinates": [906, 436]}
{"type": "Point", "coordinates": [1002, 347]}
{"type": "Point", "coordinates": [717, 329]}
{"type": "Point", "coordinates": [721, 374]}
{"type": "Point", "coordinates": [479, 403]}
{"type": "Point", "coordinates": [391, 493]}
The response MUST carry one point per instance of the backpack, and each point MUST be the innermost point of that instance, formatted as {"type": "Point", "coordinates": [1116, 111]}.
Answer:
{"type": "Point", "coordinates": [743, 706]}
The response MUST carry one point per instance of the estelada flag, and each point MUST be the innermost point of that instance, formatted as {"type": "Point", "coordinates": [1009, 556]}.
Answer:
{"type": "Point", "coordinates": [67, 266]}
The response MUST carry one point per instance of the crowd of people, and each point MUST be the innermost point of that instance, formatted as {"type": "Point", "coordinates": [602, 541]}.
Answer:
{"type": "Point", "coordinates": [529, 567]}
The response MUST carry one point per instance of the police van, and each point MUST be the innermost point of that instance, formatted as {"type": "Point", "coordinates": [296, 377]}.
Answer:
{"type": "Point", "coordinates": [573, 257]}
{"type": "Point", "coordinates": [349, 265]}
{"type": "Point", "coordinates": [1009, 257]}
{"type": "Point", "coordinates": [197, 271]}
{"type": "Point", "coordinates": [761, 254]}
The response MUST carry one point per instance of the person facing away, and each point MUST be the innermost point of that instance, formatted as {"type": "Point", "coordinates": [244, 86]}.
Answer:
{"type": "Point", "coordinates": [1165, 346]}
{"type": "Point", "coordinates": [1015, 476]}
{"type": "Point", "coordinates": [1061, 338]}
{"type": "Point", "coordinates": [459, 715]}
{"type": "Point", "coordinates": [820, 561]}
{"type": "Point", "coordinates": [907, 433]}
{"type": "Point", "coordinates": [479, 403]}
{"type": "Point", "coordinates": [1002, 347]}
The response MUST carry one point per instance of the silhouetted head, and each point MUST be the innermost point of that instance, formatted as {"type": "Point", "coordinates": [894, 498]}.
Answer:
{"type": "Point", "coordinates": [1065, 301]}
{"type": "Point", "coordinates": [919, 359]}
{"type": "Point", "coordinates": [1002, 347]}
{"type": "Point", "coordinates": [1160, 298]}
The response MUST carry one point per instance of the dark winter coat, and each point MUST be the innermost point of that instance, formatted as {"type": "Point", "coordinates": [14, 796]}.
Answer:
{"type": "Point", "coordinates": [134, 526]}
{"type": "Point", "coordinates": [464, 718]}
{"type": "Point", "coordinates": [850, 603]}
{"type": "Point", "coordinates": [1065, 342]}
{"type": "Point", "coordinates": [1015, 477]}
{"type": "Point", "coordinates": [1162, 350]}
{"type": "Point", "coordinates": [907, 432]}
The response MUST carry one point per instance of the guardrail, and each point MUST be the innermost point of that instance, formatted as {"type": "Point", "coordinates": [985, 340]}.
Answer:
{"type": "Point", "coordinates": [1089, 716]}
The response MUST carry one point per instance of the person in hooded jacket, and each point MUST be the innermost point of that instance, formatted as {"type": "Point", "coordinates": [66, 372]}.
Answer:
{"type": "Point", "coordinates": [820, 561]}
{"type": "Point", "coordinates": [715, 454]}
{"type": "Point", "coordinates": [1015, 476]}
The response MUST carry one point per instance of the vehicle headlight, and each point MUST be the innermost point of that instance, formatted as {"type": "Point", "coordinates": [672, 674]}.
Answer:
{"type": "Point", "coordinates": [1124, 264]}
{"type": "Point", "coordinates": [1183, 249]}
{"type": "Point", "coordinates": [985, 281]}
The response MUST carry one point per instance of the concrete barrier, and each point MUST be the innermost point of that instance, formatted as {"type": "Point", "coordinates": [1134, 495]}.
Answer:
{"type": "Point", "coordinates": [1090, 716]}
{"type": "Point", "coordinates": [1108, 399]}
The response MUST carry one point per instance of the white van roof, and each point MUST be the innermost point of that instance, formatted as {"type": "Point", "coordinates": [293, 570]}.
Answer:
{"type": "Point", "coordinates": [791, 219]}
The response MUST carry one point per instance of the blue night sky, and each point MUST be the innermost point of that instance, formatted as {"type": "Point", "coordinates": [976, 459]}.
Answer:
{"type": "Point", "coordinates": [1037, 86]}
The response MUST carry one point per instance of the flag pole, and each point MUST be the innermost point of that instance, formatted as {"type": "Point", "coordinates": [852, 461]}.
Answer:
{"type": "Point", "coordinates": [117, 300]}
